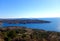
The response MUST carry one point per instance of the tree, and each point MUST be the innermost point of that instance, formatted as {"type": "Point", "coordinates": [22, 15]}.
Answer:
{"type": "Point", "coordinates": [12, 34]}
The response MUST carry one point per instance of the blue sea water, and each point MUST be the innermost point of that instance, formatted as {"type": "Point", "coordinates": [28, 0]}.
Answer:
{"type": "Point", "coordinates": [53, 26]}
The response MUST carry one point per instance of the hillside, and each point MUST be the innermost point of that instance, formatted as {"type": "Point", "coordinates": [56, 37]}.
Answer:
{"type": "Point", "coordinates": [16, 33]}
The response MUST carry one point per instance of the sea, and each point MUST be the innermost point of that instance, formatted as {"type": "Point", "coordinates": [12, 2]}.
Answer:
{"type": "Point", "coordinates": [54, 24]}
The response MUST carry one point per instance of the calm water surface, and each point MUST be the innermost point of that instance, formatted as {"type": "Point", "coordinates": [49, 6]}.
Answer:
{"type": "Point", "coordinates": [46, 26]}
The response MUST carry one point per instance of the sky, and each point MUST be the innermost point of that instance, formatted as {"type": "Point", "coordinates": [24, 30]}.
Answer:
{"type": "Point", "coordinates": [29, 8]}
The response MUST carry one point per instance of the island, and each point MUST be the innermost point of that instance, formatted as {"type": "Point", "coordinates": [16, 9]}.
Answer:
{"type": "Point", "coordinates": [21, 21]}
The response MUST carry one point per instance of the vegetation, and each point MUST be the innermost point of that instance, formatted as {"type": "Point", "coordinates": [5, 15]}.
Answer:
{"type": "Point", "coordinates": [22, 21]}
{"type": "Point", "coordinates": [27, 34]}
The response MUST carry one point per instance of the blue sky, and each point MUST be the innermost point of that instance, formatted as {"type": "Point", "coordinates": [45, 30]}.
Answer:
{"type": "Point", "coordinates": [29, 8]}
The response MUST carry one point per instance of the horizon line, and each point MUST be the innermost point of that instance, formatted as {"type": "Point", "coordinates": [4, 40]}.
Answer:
{"type": "Point", "coordinates": [29, 17]}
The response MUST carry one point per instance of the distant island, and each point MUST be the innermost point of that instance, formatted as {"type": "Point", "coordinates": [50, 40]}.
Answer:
{"type": "Point", "coordinates": [21, 21]}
